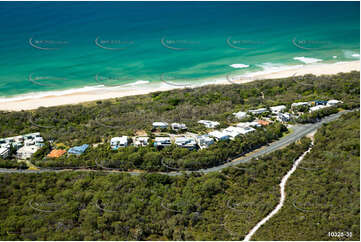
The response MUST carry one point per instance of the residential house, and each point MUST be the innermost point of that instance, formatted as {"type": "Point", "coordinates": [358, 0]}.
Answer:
{"type": "Point", "coordinates": [283, 117]}
{"type": "Point", "coordinates": [263, 122]}
{"type": "Point", "coordinates": [178, 126]}
{"type": "Point", "coordinates": [319, 102]}
{"type": "Point", "coordinates": [218, 135]}
{"type": "Point", "coordinates": [78, 150]}
{"type": "Point", "coordinates": [278, 109]}
{"type": "Point", "coordinates": [56, 153]}
{"type": "Point", "coordinates": [248, 124]}
{"type": "Point", "coordinates": [208, 123]}
{"type": "Point", "coordinates": [26, 145]}
{"type": "Point", "coordinates": [162, 141]}
{"type": "Point", "coordinates": [4, 152]}
{"type": "Point", "coordinates": [119, 142]}
{"type": "Point", "coordinates": [160, 125]}
{"type": "Point", "coordinates": [141, 141]}
{"type": "Point", "coordinates": [26, 152]}
{"type": "Point", "coordinates": [317, 107]}
{"type": "Point", "coordinates": [204, 141]}
{"type": "Point", "coordinates": [235, 131]}
{"type": "Point", "coordinates": [186, 142]}
{"type": "Point", "coordinates": [240, 115]}
{"type": "Point", "coordinates": [333, 102]}
{"type": "Point", "coordinates": [293, 105]}
{"type": "Point", "coordinates": [258, 111]}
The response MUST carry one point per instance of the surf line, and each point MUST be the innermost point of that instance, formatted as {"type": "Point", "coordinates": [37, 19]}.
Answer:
{"type": "Point", "coordinates": [283, 196]}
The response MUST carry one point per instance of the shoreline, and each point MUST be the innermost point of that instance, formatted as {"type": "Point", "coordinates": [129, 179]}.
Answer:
{"type": "Point", "coordinates": [90, 94]}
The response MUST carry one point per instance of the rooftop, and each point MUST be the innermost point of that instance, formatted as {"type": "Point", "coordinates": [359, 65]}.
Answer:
{"type": "Point", "coordinates": [56, 153]}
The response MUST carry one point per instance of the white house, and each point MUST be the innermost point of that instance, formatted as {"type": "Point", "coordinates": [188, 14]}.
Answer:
{"type": "Point", "coordinates": [29, 142]}
{"type": "Point", "coordinates": [10, 140]}
{"type": "Point", "coordinates": [162, 141]}
{"type": "Point", "coordinates": [204, 141]}
{"type": "Point", "coordinates": [278, 109]}
{"type": "Point", "coordinates": [20, 138]}
{"type": "Point", "coordinates": [248, 124]}
{"type": "Point", "coordinates": [39, 140]}
{"type": "Point", "coordinates": [186, 142]}
{"type": "Point", "coordinates": [5, 145]}
{"type": "Point", "coordinates": [26, 152]}
{"type": "Point", "coordinates": [160, 125]}
{"type": "Point", "coordinates": [178, 126]}
{"type": "Point", "coordinates": [26, 145]}
{"type": "Point", "coordinates": [283, 117]}
{"type": "Point", "coordinates": [119, 142]}
{"type": "Point", "coordinates": [235, 131]}
{"type": "Point", "coordinates": [4, 152]}
{"type": "Point", "coordinates": [219, 135]}
{"type": "Point", "coordinates": [208, 123]}
{"type": "Point", "coordinates": [258, 111]}
{"type": "Point", "coordinates": [240, 115]}
{"type": "Point", "coordinates": [333, 102]}
{"type": "Point", "coordinates": [299, 104]}
{"type": "Point", "coordinates": [141, 141]}
{"type": "Point", "coordinates": [318, 107]}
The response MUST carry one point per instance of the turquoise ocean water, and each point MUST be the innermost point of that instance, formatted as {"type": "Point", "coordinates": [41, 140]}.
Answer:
{"type": "Point", "coordinates": [52, 46]}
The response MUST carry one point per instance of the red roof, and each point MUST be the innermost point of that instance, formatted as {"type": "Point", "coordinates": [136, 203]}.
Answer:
{"type": "Point", "coordinates": [56, 153]}
{"type": "Point", "coordinates": [263, 122]}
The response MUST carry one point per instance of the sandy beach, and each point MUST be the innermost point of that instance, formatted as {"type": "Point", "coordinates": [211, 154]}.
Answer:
{"type": "Point", "coordinates": [29, 102]}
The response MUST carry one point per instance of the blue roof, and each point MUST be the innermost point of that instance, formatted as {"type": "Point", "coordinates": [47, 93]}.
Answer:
{"type": "Point", "coordinates": [77, 150]}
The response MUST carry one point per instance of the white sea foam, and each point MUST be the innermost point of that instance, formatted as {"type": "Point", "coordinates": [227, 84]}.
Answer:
{"type": "Point", "coordinates": [335, 56]}
{"type": "Point", "coordinates": [355, 55]}
{"type": "Point", "coordinates": [267, 68]}
{"type": "Point", "coordinates": [307, 60]}
{"type": "Point", "coordinates": [239, 65]}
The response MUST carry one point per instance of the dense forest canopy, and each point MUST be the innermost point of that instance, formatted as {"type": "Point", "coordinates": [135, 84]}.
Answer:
{"type": "Point", "coordinates": [218, 206]}
{"type": "Point", "coordinates": [324, 193]}
{"type": "Point", "coordinates": [103, 206]}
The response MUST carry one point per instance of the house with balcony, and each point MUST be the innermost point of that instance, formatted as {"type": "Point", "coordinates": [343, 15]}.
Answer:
{"type": "Point", "coordinates": [160, 125]}
{"type": "Point", "coordinates": [186, 142]}
{"type": "Point", "coordinates": [209, 124]}
{"type": "Point", "coordinates": [119, 142]}
{"type": "Point", "coordinates": [178, 126]}
{"type": "Point", "coordinates": [162, 141]}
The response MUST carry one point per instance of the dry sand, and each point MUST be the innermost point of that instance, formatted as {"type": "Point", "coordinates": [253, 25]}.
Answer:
{"type": "Point", "coordinates": [29, 103]}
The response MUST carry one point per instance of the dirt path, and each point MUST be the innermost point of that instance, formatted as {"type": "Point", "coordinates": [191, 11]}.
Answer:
{"type": "Point", "coordinates": [283, 196]}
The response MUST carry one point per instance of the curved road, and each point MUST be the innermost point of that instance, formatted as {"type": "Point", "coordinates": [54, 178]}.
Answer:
{"type": "Point", "coordinates": [299, 131]}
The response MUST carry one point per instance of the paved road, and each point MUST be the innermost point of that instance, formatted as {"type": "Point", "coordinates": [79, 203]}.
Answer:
{"type": "Point", "coordinates": [299, 131]}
